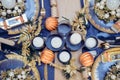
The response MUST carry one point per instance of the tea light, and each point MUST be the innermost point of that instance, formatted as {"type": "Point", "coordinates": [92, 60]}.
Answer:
{"type": "Point", "coordinates": [64, 56]}
{"type": "Point", "coordinates": [56, 42]}
{"type": "Point", "coordinates": [75, 38]}
{"type": "Point", "coordinates": [90, 42]}
{"type": "Point", "coordinates": [38, 42]}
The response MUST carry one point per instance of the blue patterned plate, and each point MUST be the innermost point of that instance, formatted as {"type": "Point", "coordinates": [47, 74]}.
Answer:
{"type": "Point", "coordinates": [100, 68]}
{"type": "Point", "coordinates": [99, 24]}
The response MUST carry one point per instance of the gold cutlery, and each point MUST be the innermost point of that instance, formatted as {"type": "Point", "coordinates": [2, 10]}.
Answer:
{"type": "Point", "coordinates": [43, 11]}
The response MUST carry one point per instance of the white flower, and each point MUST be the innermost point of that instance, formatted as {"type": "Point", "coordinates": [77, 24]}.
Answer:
{"type": "Point", "coordinates": [106, 16]}
{"type": "Point", "coordinates": [19, 11]}
{"type": "Point", "coordinates": [16, 8]}
{"type": "Point", "coordinates": [113, 77]}
{"type": "Point", "coordinates": [8, 79]}
{"type": "Point", "coordinates": [118, 14]}
{"type": "Point", "coordinates": [14, 11]}
{"type": "Point", "coordinates": [9, 11]}
{"type": "Point", "coordinates": [19, 76]}
{"type": "Point", "coordinates": [101, 7]}
{"type": "Point", "coordinates": [117, 66]}
{"type": "Point", "coordinates": [104, 0]}
{"type": "Point", "coordinates": [23, 72]}
{"type": "Point", "coordinates": [11, 74]}
{"type": "Point", "coordinates": [3, 13]}
{"type": "Point", "coordinates": [19, 1]}
{"type": "Point", "coordinates": [102, 3]}
{"type": "Point", "coordinates": [23, 76]}
{"type": "Point", "coordinates": [113, 13]}
{"type": "Point", "coordinates": [98, 4]}
{"type": "Point", "coordinates": [118, 10]}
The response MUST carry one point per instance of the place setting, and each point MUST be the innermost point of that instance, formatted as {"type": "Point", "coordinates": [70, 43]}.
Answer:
{"type": "Point", "coordinates": [47, 40]}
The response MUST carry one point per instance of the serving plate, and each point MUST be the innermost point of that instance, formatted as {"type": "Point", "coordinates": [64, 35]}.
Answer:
{"type": "Point", "coordinates": [100, 68]}
{"type": "Point", "coordinates": [95, 21]}
{"type": "Point", "coordinates": [15, 61]}
{"type": "Point", "coordinates": [31, 14]}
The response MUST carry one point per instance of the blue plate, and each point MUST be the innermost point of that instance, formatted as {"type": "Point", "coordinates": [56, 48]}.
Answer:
{"type": "Point", "coordinates": [105, 27]}
{"type": "Point", "coordinates": [71, 46]}
{"type": "Point", "coordinates": [31, 9]}
{"type": "Point", "coordinates": [11, 64]}
{"type": "Point", "coordinates": [48, 42]}
{"type": "Point", "coordinates": [64, 29]}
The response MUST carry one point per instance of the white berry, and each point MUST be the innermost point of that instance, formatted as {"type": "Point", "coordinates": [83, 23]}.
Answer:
{"type": "Point", "coordinates": [106, 16]}
{"type": "Point", "coordinates": [113, 13]}
{"type": "Point", "coordinates": [14, 11]}
{"type": "Point", "coordinates": [19, 11]}
{"type": "Point", "coordinates": [16, 8]}
{"type": "Point", "coordinates": [101, 7]}
{"type": "Point", "coordinates": [3, 13]}
{"type": "Point", "coordinates": [9, 11]}
{"type": "Point", "coordinates": [113, 77]}
{"type": "Point", "coordinates": [118, 14]}
{"type": "Point", "coordinates": [102, 2]}
{"type": "Point", "coordinates": [98, 4]}
{"type": "Point", "coordinates": [118, 10]}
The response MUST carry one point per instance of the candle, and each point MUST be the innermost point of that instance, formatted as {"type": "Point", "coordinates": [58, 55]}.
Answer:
{"type": "Point", "coordinates": [38, 42]}
{"type": "Point", "coordinates": [56, 42]}
{"type": "Point", "coordinates": [90, 42]}
{"type": "Point", "coordinates": [64, 56]}
{"type": "Point", "coordinates": [75, 38]}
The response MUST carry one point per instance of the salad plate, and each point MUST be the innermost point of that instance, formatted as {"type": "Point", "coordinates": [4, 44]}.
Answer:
{"type": "Point", "coordinates": [102, 20]}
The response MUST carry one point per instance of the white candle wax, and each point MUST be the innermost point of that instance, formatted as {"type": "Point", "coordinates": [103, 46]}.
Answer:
{"type": "Point", "coordinates": [38, 42]}
{"type": "Point", "coordinates": [56, 42]}
{"type": "Point", "coordinates": [90, 43]}
{"type": "Point", "coordinates": [64, 56]}
{"type": "Point", "coordinates": [75, 38]}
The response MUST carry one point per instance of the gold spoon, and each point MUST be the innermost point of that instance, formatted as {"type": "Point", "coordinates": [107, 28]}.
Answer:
{"type": "Point", "coordinates": [43, 11]}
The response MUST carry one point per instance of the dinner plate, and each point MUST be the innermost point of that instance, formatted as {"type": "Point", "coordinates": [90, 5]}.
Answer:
{"type": "Point", "coordinates": [100, 68]}
{"type": "Point", "coordinates": [92, 17]}
{"type": "Point", "coordinates": [31, 14]}
{"type": "Point", "coordinates": [15, 61]}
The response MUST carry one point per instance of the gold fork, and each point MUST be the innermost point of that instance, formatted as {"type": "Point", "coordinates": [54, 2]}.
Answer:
{"type": "Point", "coordinates": [43, 11]}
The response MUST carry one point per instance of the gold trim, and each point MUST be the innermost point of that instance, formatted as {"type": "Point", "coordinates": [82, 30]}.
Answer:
{"type": "Point", "coordinates": [97, 61]}
{"type": "Point", "coordinates": [24, 60]}
{"type": "Point", "coordinates": [89, 17]}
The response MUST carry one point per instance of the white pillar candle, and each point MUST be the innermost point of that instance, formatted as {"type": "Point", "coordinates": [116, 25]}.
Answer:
{"type": "Point", "coordinates": [38, 42]}
{"type": "Point", "coordinates": [90, 43]}
{"type": "Point", "coordinates": [75, 38]}
{"type": "Point", "coordinates": [56, 42]}
{"type": "Point", "coordinates": [64, 56]}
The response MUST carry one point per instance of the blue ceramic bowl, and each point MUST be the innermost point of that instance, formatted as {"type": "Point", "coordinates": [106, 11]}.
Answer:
{"type": "Point", "coordinates": [64, 62]}
{"type": "Point", "coordinates": [48, 42]}
{"type": "Point", "coordinates": [71, 46]}
{"type": "Point", "coordinates": [64, 28]}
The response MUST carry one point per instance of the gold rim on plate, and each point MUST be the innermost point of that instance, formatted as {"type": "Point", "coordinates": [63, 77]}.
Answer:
{"type": "Point", "coordinates": [97, 61]}
{"type": "Point", "coordinates": [89, 17]}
